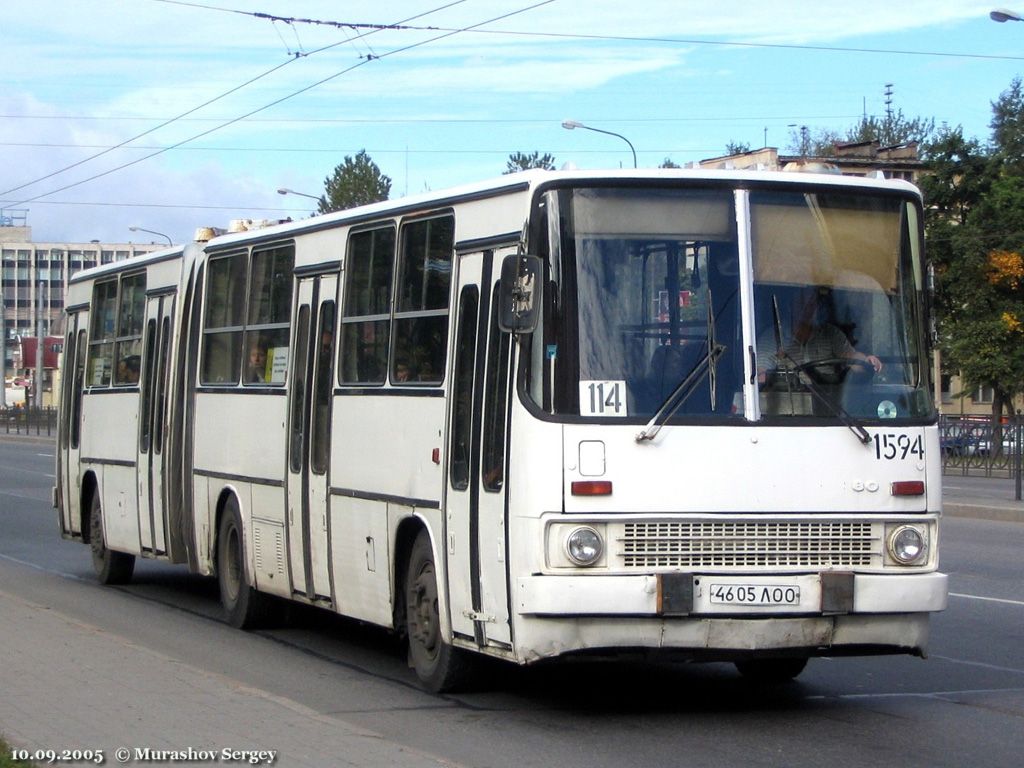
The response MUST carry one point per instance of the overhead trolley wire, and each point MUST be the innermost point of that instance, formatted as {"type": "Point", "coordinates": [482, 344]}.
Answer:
{"type": "Point", "coordinates": [281, 100]}
{"type": "Point", "coordinates": [195, 109]}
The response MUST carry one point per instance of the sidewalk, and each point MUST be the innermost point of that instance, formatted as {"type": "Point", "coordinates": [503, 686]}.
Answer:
{"type": "Point", "coordinates": [985, 498]}
{"type": "Point", "coordinates": [72, 685]}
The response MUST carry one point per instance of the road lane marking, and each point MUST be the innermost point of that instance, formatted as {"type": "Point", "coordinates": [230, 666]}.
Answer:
{"type": "Point", "coordinates": [21, 471]}
{"type": "Point", "coordinates": [987, 599]}
{"type": "Point", "coordinates": [914, 694]}
{"type": "Point", "coordinates": [42, 568]}
{"type": "Point", "coordinates": [24, 496]}
{"type": "Point", "coordinates": [982, 664]}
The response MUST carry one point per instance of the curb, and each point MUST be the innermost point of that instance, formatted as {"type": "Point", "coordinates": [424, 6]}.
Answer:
{"type": "Point", "coordinates": [17, 437]}
{"type": "Point", "coordinates": [1000, 511]}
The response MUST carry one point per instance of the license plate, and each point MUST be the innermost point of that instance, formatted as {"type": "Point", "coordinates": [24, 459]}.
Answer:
{"type": "Point", "coordinates": [754, 594]}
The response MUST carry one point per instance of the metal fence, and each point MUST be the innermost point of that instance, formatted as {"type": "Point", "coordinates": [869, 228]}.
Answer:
{"type": "Point", "coordinates": [977, 447]}
{"type": "Point", "coordinates": [29, 421]}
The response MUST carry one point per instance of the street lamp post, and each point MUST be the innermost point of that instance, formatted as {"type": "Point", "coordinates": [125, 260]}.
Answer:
{"type": "Point", "coordinates": [286, 191]}
{"type": "Point", "coordinates": [151, 232]}
{"type": "Point", "coordinates": [573, 124]}
{"type": "Point", "coordinates": [1003, 14]}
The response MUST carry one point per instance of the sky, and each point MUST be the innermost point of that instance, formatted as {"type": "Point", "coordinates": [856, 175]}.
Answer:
{"type": "Point", "coordinates": [171, 115]}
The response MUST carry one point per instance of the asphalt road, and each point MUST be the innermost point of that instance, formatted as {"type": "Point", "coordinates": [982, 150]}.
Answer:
{"type": "Point", "coordinates": [962, 706]}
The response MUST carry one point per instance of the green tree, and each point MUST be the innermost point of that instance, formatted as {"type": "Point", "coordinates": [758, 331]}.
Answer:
{"type": "Point", "coordinates": [736, 147]}
{"type": "Point", "coordinates": [518, 161]}
{"type": "Point", "coordinates": [668, 163]}
{"type": "Point", "coordinates": [892, 129]}
{"type": "Point", "coordinates": [356, 181]}
{"type": "Point", "coordinates": [975, 225]}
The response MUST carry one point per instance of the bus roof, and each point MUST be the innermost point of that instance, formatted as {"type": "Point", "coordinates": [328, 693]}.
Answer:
{"type": "Point", "coordinates": [525, 181]}
{"type": "Point", "coordinates": [521, 182]}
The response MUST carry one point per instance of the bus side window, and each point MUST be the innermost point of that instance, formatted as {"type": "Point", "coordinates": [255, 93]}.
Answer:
{"type": "Point", "coordinates": [462, 394]}
{"type": "Point", "coordinates": [101, 343]}
{"type": "Point", "coordinates": [266, 329]}
{"type": "Point", "coordinates": [130, 320]}
{"type": "Point", "coordinates": [366, 316]}
{"type": "Point", "coordinates": [492, 460]}
{"type": "Point", "coordinates": [421, 301]}
{"type": "Point", "coordinates": [223, 320]}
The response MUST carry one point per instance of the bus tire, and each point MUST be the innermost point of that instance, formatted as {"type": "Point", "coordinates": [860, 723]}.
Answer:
{"type": "Point", "coordinates": [111, 567]}
{"type": "Point", "coordinates": [244, 607]}
{"type": "Point", "coordinates": [439, 666]}
{"type": "Point", "coordinates": [771, 671]}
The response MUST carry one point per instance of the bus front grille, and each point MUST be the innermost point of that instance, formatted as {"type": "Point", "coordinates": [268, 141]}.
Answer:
{"type": "Point", "coordinates": [749, 544]}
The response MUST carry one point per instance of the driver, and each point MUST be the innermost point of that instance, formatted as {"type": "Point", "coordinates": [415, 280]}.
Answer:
{"type": "Point", "coordinates": [805, 340]}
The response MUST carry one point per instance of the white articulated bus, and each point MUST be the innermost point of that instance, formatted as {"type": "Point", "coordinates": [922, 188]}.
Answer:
{"type": "Point", "coordinates": [652, 411]}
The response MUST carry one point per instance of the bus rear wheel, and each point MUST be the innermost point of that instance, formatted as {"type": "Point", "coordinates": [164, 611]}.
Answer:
{"type": "Point", "coordinates": [771, 671]}
{"type": "Point", "coordinates": [110, 567]}
{"type": "Point", "coordinates": [244, 607]}
{"type": "Point", "coordinates": [439, 665]}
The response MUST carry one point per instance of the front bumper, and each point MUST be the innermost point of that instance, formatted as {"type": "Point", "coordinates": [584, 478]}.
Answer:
{"type": "Point", "coordinates": [639, 595]}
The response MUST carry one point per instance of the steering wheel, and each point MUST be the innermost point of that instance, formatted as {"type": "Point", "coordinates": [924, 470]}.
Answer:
{"type": "Point", "coordinates": [840, 366]}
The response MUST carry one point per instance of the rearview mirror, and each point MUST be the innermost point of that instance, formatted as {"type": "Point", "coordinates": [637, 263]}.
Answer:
{"type": "Point", "coordinates": [519, 294]}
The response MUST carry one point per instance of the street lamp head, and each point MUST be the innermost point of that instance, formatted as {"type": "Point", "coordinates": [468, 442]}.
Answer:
{"type": "Point", "coordinates": [570, 124]}
{"type": "Point", "coordinates": [152, 232]}
{"type": "Point", "coordinates": [1003, 14]}
{"type": "Point", "coordinates": [288, 191]}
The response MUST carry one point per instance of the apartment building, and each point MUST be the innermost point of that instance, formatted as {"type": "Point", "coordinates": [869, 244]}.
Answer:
{"type": "Point", "coordinates": [34, 279]}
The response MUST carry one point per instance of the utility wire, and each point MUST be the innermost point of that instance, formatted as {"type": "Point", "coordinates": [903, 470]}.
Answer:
{"type": "Point", "coordinates": [207, 103]}
{"type": "Point", "coordinates": [286, 98]}
{"type": "Point", "coordinates": [614, 38]}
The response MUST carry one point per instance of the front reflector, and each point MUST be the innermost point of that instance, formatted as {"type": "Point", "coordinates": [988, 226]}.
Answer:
{"type": "Point", "coordinates": [592, 488]}
{"type": "Point", "coordinates": [908, 488]}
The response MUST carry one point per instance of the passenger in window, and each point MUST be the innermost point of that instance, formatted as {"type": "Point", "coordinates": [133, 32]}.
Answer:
{"type": "Point", "coordinates": [256, 372]}
{"type": "Point", "coordinates": [402, 372]}
{"type": "Point", "coordinates": [128, 370]}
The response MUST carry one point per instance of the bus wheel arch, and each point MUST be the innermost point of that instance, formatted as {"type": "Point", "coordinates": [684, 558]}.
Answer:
{"type": "Point", "coordinates": [110, 566]}
{"type": "Point", "coordinates": [439, 665]}
{"type": "Point", "coordinates": [405, 537]}
{"type": "Point", "coordinates": [244, 607]}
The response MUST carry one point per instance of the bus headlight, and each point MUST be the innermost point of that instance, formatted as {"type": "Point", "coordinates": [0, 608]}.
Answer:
{"type": "Point", "coordinates": [908, 545]}
{"type": "Point", "coordinates": [584, 546]}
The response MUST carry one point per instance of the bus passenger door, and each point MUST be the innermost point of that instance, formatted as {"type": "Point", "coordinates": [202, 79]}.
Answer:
{"type": "Point", "coordinates": [309, 436]}
{"type": "Point", "coordinates": [476, 512]}
{"type": "Point", "coordinates": [73, 371]}
{"type": "Point", "coordinates": [152, 413]}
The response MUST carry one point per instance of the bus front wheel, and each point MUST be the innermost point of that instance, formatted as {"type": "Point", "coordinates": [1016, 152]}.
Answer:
{"type": "Point", "coordinates": [244, 607]}
{"type": "Point", "coordinates": [110, 567]}
{"type": "Point", "coordinates": [439, 665]}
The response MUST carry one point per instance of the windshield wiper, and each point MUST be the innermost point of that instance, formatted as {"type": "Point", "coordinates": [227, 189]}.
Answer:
{"type": "Point", "coordinates": [680, 394]}
{"type": "Point", "coordinates": [835, 408]}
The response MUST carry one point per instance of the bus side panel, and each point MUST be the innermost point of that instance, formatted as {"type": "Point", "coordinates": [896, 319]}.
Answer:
{"type": "Point", "coordinates": [239, 443]}
{"type": "Point", "coordinates": [269, 545]}
{"type": "Point", "coordinates": [109, 433]}
{"type": "Point", "coordinates": [360, 558]}
{"type": "Point", "coordinates": [387, 444]}
{"type": "Point", "coordinates": [382, 472]}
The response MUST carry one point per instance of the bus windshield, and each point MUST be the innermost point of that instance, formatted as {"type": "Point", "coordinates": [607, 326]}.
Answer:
{"type": "Point", "coordinates": [838, 305]}
{"type": "Point", "coordinates": [644, 305]}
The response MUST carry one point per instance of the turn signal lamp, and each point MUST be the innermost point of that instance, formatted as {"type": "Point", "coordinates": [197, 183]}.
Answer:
{"type": "Point", "coordinates": [592, 488]}
{"type": "Point", "coordinates": [908, 488]}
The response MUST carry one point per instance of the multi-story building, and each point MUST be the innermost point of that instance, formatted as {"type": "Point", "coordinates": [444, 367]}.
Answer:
{"type": "Point", "coordinates": [34, 279]}
{"type": "Point", "coordinates": [852, 159]}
